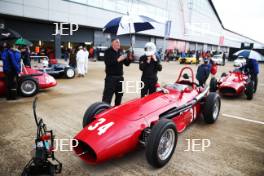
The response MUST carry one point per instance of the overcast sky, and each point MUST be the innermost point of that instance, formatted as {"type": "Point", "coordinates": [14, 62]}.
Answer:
{"type": "Point", "coordinates": [242, 16]}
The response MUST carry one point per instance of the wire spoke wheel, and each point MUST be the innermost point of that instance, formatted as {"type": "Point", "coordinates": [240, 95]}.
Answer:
{"type": "Point", "coordinates": [166, 144]}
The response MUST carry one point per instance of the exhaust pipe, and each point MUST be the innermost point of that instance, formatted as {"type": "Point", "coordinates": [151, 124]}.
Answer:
{"type": "Point", "coordinates": [177, 110]}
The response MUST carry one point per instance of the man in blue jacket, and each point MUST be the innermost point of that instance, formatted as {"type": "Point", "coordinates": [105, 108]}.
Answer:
{"type": "Point", "coordinates": [11, 68]}
{"type": "Point", "coordinates": [203, 72]}
{"type": "Point", "coordinates": [252, 68]}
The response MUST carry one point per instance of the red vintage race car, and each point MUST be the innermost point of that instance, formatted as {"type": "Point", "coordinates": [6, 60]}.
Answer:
{"type": "Point", "coordinates": [234, 83]}
{"type": "Point", "coordinates": [153, 121]}
{"type": "Point", "coordinates": [29, 82]}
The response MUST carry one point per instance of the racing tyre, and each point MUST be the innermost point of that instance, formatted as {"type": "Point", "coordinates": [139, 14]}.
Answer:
{"type": "Point", "coordinates": [213, 85]}
{"type": "Point", "coordinates": [223, 74]}
{"type": "Point", "coordinates": [249, 90]}
{"type": "Point", "coordinates": [211, 108]}
{"type": "Point", "coordinates": [28, 87]}
{"type": "Point", "coordinates": [161, 143]}
{"type": "Point", "coordinates": [69, 73]}
{"type": "Point", "coordinates": [94, 109]}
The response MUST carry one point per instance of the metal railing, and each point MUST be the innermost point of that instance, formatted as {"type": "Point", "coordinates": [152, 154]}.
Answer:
{"type": "Point", "coordinates": [39, 57]}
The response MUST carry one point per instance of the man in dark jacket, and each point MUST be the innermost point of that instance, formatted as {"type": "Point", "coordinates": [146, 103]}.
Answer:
{"type": "Point", "coordinates": [25, 56]}
{"type": "Point", "coordinates": [252, 68]}
{"type": "Point", "coordinates": [72, 60]}
{"type": "Point", "coordinates": [114, 61]}
{"type": "Point", "coordinates": [224, 58]}
{"type": "Point", "coordinates": [149, 65]}
{"type": "Point", "coordinates": [11, 68]}
{"type": "Point", "coordinates": [197, 56]}
{"type": "Point", "coordinates": [203, 72]}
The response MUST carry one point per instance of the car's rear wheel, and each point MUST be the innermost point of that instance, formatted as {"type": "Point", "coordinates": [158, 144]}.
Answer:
{"type": "Point", "coordinates": [161, 143]}
{"type": "Point", "coordinates": [28, 87]}
{"type": "Point", "coordinates": [213, 84]}
{"type": "Point", "coordinates": [211, 107]}
{"type": "Point", "coordinates": [249, 90]}
{"type": "Point", "coordinates": [69, 72]}
{"type": "Point", "coordinates": [93, 110]}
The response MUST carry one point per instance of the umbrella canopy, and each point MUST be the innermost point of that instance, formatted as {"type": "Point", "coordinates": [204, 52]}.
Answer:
{"type": "Point", "coordinates": [8, 34]}
{"type": "Point", "coordinates": [128, 24]}
{"type": "Point", "coordinates": [250, 54]}
{"type": "Point", "coordinates": [23, 41]}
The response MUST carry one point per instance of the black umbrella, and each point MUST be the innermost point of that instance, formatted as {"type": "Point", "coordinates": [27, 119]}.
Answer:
{"type": "Point", "coordinates": [8, 34]}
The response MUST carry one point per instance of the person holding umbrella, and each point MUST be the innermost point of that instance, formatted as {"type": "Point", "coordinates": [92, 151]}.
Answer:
{"type": "Point", "coordinates": [149, 65]}
{"type": "Point", "coordinates": [11, 68]}
{"type": "Point", "coordinates": [251, 67]}
{"type": "Point", "coordinates": [114, 61]}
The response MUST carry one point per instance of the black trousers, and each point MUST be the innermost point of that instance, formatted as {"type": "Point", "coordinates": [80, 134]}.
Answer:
{"type": "Point", "coordinates": [26, 61]}
{"type": "Point", "coordinates": [254, 78]}
{"type": "Point", "coordinates": [201, 82]}
{"type": "Point", "coordinates": [149, 86]}
{"type": "Point", "coordinates": [113, 85]}
{"type": "Point", "coordinates": [197, 61]}
{"type": "Point", "coordinates": [11, 85]}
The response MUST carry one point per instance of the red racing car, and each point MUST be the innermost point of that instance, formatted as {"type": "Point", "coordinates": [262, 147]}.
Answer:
{"type": "Point", "coordinates": [154, 121]}
{"type": "Point", "coordinates": [29, 82]}
{"type": "Point", "coordinates": [234, 83]}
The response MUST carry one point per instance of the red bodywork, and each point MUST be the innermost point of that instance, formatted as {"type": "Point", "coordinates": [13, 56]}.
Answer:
{"type": "Point", "coordinates": [232, 84]}
{"type": "Point", "coordinates": [44, 80]}
{"type": "Point", "coordinates": [127, 121]}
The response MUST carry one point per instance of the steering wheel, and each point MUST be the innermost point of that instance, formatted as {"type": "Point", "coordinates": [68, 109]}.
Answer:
{"type": "Point", "coordinates": [185, 78]}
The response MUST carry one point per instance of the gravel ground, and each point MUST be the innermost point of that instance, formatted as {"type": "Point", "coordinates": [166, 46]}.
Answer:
{"type": "Point", "coordinates": [236, 145]}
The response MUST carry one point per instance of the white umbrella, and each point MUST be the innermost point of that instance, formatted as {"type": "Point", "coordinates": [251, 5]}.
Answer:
{"type": "Point", "coordinates": [129, 24]}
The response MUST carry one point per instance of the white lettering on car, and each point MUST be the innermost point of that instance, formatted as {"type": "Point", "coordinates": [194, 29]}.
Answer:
{"type": "Point", "coordinates": [102, 129]}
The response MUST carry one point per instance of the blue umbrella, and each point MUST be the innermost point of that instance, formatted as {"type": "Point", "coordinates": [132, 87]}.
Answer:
{"type": "Point", "coordinates": [128, 24]}
{"type": "Point", "coordinates": [250, 54]}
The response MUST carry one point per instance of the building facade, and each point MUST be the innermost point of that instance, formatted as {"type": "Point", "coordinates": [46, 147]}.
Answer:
{"type": "Point", "coordinates": [195, 24]}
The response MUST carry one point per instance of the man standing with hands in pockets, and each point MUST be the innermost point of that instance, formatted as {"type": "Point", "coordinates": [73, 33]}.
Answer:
{"type": "Point", "coordinates": [114, 61]}
{"type": "Point", "coordinates": [149, 65]}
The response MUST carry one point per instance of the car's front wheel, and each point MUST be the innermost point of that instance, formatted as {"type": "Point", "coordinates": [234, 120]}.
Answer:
{"type": "Point", "coordinates": [93, 110]}
{"type": "Point", "coordinates": [161, 143]}
{"type": "Point", "coordinates": [28, 87]}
